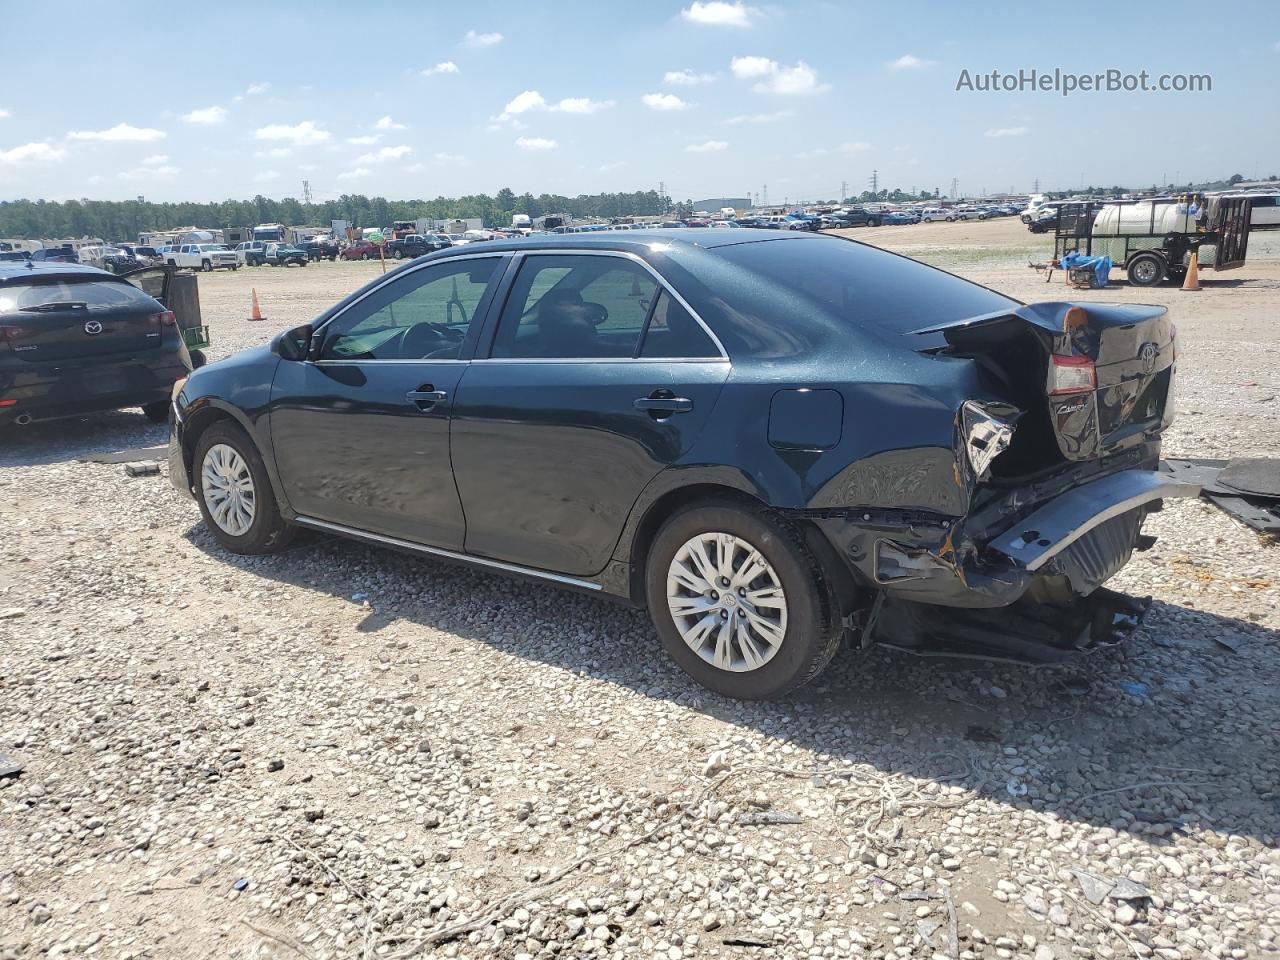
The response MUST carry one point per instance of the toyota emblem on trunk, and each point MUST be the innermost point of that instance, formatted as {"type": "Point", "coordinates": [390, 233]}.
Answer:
{"type": "Point", "coordinates": [93, 327]}
{"type": "Point", "coordinates": [1148, 355]}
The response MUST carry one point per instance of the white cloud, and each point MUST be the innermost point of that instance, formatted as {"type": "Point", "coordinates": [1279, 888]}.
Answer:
{"type": "Point", "coordinates": [1006, 132]}
{"type": "Point", "coordinates": [709, 146]}
{"type": "Point", "coordinates": [717, 13]}
{"type": "Point", "coordinates": [355, 174]}
{"type": "Point", "coordinates": [747, 68]}
{"type": "Point", "coordinates": [386, 123]}
{"type": "Point", "coordinates": [449, 158]}
{"type": "Point", "coordinates": [536, 143]}
{"type": "Point", "coordinates": [524, 102]}
{"type": "Point", "coordinates": [760, 117]}
{"type": "Point", "coordinates": [386, 153]}
{"type": "Point", "coordinates": [581, 105]}
{"type": "Point", "coordinates": [686, 78]}
{"type": "Point", "coordinates": [304, 134]}
{"type": "Point", "coordinates": [275, 153]}
{"type": "Point", "coordinates": [207, 115]}
{"type": "Point", "coordinates": [31, 153]}
{"type": "Point", "coordinates": [4, 114]}
{"type": "Point", "coordinates": [308, 167]}
{"type": "Point", "coordinates": [148, 171]}
{"type": "Point", "coordinates": [444, 66]}
{"type": "Point", "coordinates": [663, 101]}
{"type": "Point", "coordinates": [266, 176]}
{"type": "Point", "coordinates": [773, 77]}
{"type": "Point", "coordinates": [473, 39]}
{"type": "Point", "coordinates": [909, 61]}
{"type": "Point", "coordinates": [257, 88]}
{"type": "Point", "coordinates": [615, 165]}
{"type": "Point", "coordinates": [155, 160]}
{"type": "Point", "coordinates": [367, 140]}
{"type": "Point", "coordinates": [121, 132]}
{"type": "Point", "coordinates": [415, 168]}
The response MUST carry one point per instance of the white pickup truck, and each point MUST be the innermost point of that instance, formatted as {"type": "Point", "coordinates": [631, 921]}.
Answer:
{"type": "Point", "coordinates": [202, 256]}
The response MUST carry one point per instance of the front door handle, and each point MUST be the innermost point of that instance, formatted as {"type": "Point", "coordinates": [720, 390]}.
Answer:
{"type": "Point", "coordinates": [425, 398]}
{"type": "Point", "coordinates": [663, 403]}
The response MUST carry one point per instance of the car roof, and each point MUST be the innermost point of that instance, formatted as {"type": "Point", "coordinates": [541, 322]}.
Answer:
{"type": "Point", "coordinates": [21, 271]}
{"type": "Point", "coordinates": [627, 241]}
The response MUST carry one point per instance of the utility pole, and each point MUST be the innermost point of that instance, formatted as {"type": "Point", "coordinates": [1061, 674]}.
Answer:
{"type": "Point", "coordinates": [764, 195]}
{"type": "Point", "coordinates": [306, 192]}
{"type": "Point", "coordinates": [955, 188]}
{"type": "Point", "coordinates": [844, 190]}
{"type": "Point", "coordinates": [875, 183]}
{"type": "Point", "coordinates": [1035, 185]}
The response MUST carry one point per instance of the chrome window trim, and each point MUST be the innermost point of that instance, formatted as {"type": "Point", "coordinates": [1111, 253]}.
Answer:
{"type": "Point", "coordinates": [447, 554]}
{"type": "Point", "coordinates": [661, 281]}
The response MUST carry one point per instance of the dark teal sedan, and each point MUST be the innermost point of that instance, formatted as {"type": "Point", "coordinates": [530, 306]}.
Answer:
{"type": "Point", "coordinates": [774, 441]}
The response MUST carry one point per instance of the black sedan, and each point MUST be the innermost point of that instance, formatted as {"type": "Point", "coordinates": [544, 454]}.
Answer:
{"type": "Point", "coordinates": [75, 339]}
{"type": "Point", "coordinates": [772, 440]}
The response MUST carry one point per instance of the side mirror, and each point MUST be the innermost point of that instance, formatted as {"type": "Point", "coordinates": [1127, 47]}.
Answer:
{"type": "Point", "coordinates": [293, 344]}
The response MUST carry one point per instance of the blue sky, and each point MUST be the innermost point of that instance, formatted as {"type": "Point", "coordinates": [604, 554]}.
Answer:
{"type": "Point", "coordinates": [420, 99]}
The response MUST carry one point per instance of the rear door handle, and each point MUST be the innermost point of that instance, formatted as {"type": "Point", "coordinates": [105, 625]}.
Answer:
{"type": "Point", "coordinates": [660, 407]}
{"type": "Point", "coordinates": [425, 397]}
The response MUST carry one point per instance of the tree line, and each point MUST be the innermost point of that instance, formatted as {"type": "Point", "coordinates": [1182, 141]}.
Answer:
{"type": "Point", "coordinates": [124, 219]}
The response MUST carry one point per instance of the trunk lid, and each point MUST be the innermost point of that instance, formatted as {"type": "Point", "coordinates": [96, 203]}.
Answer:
{"type": "Point", "coordinates": [1091, 379]}
{"type": "Point", "coordinates": [70, 317]}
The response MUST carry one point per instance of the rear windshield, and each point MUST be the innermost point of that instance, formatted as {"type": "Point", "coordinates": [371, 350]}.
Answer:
{"type": "Point", "coordinates": [853, 283]}
{"type": "Point", "coordinates": [75, 295]}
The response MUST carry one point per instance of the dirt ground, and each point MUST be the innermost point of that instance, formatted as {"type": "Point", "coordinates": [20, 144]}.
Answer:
{"type": "Point", "coordinates": [345, 752]}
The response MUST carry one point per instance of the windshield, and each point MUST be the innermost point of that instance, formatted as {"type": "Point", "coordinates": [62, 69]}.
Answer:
{"type": "Point", "coordinates": [853, 283]}
{"type": "Point", "coordinates": [212, 246]}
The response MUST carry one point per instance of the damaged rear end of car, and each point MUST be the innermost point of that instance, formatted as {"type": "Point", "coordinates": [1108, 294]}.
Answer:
{"type": "Point", "coordinates": [1000, 546]}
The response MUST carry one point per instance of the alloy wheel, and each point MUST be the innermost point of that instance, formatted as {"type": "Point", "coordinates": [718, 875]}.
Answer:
{"type": "Point", "coordinates": [228, 490]}
{"type": "Point", "coordinates": [727, 602]}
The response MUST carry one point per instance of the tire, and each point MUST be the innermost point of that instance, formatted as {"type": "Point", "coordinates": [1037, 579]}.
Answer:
{"type": "Point", "coordinates": [198, 359]}
{"type": "Point", "coordinates": [873, 223]}
{"type": "Point", "coordinates": [398, 254]}
{"type": "Point", "coordinates": [810, 632]}
{"type": "Point", "coordinates": [236, 267]}
{"type": "Point", "coordinates": [171, 263]}
{"type": "Point", "coordinates": [156, 411]}
{"type": "Point", "coordinates": [951, 219]}
{"type": "Point", "coordinates": [206, 266]}
{"type": "Point", "coordinates": [364, 256]}
{"type": "Point", "coordinates": [266, 531]}
{"type": "Point", "coordinates": [1146, 269]}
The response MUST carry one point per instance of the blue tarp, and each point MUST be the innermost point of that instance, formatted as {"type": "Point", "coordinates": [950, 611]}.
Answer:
{"type": "Point", "coordinates": [1101, 267]}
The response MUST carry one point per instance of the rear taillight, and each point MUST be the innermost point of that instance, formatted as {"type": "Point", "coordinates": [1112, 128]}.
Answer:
{"type": "Point", "coordinates": [1071, 375]}
{"type": "Point", "coordinates": [166, 319]}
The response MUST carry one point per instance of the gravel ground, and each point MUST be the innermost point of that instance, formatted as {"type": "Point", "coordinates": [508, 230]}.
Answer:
{"type": "Point", "coordinates": [345, 752]}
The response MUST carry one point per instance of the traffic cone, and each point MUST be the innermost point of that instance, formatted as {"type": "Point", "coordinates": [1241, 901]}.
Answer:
{"type": "Point", "coordinates": [1192, 280]}
{"type": "Point", "coordinates": [257, 313]}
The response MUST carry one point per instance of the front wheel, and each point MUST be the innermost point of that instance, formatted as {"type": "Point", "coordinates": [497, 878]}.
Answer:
{"type": "Point", "coordinates": [740, 602]}
{"type": "Point", "coordinates": [206, 266]}
{"type": "Point", "coordinates": [234, 492]}
{"type": "Point", "coordinates": [399, 254]}
{"type": "Point", "coordinates": [364, 256]}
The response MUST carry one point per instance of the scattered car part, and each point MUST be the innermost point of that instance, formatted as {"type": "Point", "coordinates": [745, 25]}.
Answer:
{"type": "Point", "coordinates": [1246, 488]}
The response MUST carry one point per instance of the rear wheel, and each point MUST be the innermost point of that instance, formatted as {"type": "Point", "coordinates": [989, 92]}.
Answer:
{"type": "Point", "coordinates": [740, 602]}
{"type": "Point", "coordinates": [206, 266]}
{"type": "Point", "coordinates": [234, 492]}
{"type": "Point", "coordinates": [1146, 269]}
{"type": "Point", "coordinates": [399, 254]}
{"type": "Point", "coordinates": [364, 256]}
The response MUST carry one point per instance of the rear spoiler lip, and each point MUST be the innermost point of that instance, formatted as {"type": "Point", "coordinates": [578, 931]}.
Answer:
{"type": "Point", "coordinates": [1049, 315]}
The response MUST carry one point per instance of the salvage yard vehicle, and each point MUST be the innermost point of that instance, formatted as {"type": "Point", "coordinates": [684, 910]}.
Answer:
{"type": "Point", "coordinates": [1153, 239]}
{"type": "Point", "coordinates": [75, 339]}
{"type": "Point", "coordinates": [321, 248]}
{"type": "Point", "coordinates": [771, 440]}
{"type": "Point", "coordinates": [362, 250]}
{"type": "Point", "coordinates": [413, 245]}
{"type": "Point", "coordinates": [283, 254]}
{"type": "Point", "coordinates": [202, 256]}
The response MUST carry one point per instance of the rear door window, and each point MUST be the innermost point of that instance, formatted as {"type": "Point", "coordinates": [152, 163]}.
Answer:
{"type": "Point", "coordinates": [575, 306]}
{"type": "Point", "coordinates": [674, 333]}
